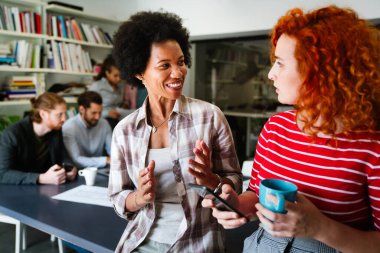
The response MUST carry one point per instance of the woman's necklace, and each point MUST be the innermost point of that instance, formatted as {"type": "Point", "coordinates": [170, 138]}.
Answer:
{"type": "Point", "coordinates": [154, 128]}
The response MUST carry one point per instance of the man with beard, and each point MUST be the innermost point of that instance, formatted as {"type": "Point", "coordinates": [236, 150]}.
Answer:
{"type": "Point", "coordinates": [87, 136]}
{"type": "Point", "coordinates": [31, 150]}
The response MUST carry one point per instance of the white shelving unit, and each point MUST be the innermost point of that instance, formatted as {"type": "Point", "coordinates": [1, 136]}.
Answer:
{"type": "Point", "coordinates": [72, 12]}
{"type": "Point", "coordinates": [96, 51]}
{"type": "Point", "coordinates": [22, 34]}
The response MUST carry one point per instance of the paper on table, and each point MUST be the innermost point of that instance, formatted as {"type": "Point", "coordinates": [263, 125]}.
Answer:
{"type": "Point", "coordinates": [86, 194]}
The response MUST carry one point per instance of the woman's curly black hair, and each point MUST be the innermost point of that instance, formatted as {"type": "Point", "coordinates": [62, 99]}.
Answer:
{"type": "Point", "coordinates": [134, 39]}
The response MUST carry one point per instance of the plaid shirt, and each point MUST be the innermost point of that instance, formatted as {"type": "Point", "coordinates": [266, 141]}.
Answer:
{"type": "Point", "coordinates": [191, 120]}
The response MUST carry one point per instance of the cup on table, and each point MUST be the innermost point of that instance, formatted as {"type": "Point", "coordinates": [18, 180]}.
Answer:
{"type": "Point", "coordinates": [282, 189]}
{"type": "Point", "coordinates": [89, 174]}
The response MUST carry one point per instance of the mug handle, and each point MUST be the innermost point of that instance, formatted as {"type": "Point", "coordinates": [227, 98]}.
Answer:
{"type": "Point", "coordinates": [80, 173]}
{"type": "Point", "coordinates": [281, 202]}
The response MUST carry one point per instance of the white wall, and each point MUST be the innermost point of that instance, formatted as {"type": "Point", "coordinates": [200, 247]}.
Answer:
{"type": "Point", "coordinates": [208, 17]}
{"type": "Point", "coordinates": [204, 17]}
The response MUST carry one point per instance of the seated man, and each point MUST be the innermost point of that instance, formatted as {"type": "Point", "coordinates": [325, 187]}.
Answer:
{"type": "Point", "coordinates": [31, 150]}
{"type": "Point", "coordinates": [88, 135]}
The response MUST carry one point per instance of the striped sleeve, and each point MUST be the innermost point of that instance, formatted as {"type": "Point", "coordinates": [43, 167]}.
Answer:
{"type": "Point", "coordinates": [374, 191]}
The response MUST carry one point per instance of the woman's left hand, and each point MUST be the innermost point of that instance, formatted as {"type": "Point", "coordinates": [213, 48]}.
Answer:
{"type": "Point", "coordinates": [303, 219]}
{"type": "Point", "coordinates": [201, 167]}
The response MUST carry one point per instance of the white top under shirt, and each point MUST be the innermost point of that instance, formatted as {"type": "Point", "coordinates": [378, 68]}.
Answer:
{"type": "Point", "coordinates": [169, 212]}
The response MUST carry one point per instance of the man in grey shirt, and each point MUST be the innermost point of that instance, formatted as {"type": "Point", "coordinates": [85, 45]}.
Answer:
{"type": "Point", "coordinates": [87, 136]}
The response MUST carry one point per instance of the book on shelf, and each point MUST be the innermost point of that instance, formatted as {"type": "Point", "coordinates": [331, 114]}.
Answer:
{"type": "Point", "coordinates": [22, 22]}
{"type": "Point", "coordinates": [62, 25]}
{"type": "Point", "coordinates": [37, 22]}
{"type": "Point", "coordinates": [56, 57]}
{"type": "Point", "coordinates": [15, 19]}
{"type": "Point", "coordinates": [21, 87]}
{"type": "Point", "coordinates": [6, 16]}
{"type": "Point", "coordinates": [69, 57]}
{"type": "Point", "coordinates": [2, 19]}
{"type": "Point", "coordinates": [23, 79]}
{"type": "Point", "coordinates": [54, 26]}
{"type": "Point", "coordinates": [69, 27]}
{"type": "Point", "coordinates": [21, 97]}
{"type": "Point", "coordinates": [77, 32]}
{"type": "Point", "coordinates": [109, 38]}
{"type": "Point", "coordinates": [22, 53]}
{"type": "Point", "coordinates": [5, 49]}
{"type": "Point", "coordinates": [70, 32]}
{"type": "Point", "coordinates": [7, 60]}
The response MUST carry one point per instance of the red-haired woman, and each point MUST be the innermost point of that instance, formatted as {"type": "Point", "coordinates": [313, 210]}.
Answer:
{"type": "Point", "coordinates": [326, 64]}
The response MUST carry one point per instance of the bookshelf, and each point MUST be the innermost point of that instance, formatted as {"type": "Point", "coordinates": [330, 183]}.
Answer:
{"type": "Point", "coordinates": [73, 57]}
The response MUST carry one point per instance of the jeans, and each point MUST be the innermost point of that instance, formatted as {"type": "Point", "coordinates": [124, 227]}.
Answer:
{"type": "Point", "coordinates": [261, 241]}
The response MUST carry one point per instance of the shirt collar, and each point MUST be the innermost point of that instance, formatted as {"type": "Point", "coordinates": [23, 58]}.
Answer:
{"type": "Point", "coordinates": [181, 107]}
{"type": "Point", "coordinates": [81, 121]}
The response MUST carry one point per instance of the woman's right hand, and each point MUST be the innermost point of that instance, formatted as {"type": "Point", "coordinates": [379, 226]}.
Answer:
{"type": "Point", "coordinates": [226, 218]}
{"type": "Point", "coordinates": [145, 193]}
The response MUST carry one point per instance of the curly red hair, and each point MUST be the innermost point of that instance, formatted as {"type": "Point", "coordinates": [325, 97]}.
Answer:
{"type": "Point", "coordinates": [338, 56]}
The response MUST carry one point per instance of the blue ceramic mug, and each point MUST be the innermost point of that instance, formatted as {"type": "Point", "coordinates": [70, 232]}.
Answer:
{"type": "Point", "coordinates": [282, 189]}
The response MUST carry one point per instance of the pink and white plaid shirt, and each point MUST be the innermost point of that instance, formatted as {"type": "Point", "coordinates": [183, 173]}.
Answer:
{"type": "Point", "coordinates": [191, 120]}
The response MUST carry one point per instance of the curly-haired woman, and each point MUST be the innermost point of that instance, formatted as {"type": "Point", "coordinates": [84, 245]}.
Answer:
{"type": "Point", "coordinates": [326, 64]}
{"type": "Point", "coordinates": [111, 89]}
{"type": "Point", "coordinates": [161, 147]}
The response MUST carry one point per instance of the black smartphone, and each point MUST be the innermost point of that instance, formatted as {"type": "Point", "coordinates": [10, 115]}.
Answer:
{"type": "Point", "coordinates": [220, 203]}
{"type": "Point", "coordinates": [67, 166]}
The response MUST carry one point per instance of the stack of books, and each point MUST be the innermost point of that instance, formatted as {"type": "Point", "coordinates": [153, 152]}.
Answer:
{"type": "Point", "coordinates": [7, 58]}
{"type": "Point", "coordinates": [20, 53]}
{"type": "Point", "coordinates": [21, 87]}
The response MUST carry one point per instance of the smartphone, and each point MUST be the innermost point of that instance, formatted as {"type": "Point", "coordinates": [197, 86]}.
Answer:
{"type": "Point", "coordinates": [220, 203]}
{"type": "Point", "coordinates": [67, 166]}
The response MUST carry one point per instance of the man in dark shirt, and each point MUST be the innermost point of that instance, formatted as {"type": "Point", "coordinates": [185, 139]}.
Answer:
{"type": "Point", "coordinates": [32, 150]}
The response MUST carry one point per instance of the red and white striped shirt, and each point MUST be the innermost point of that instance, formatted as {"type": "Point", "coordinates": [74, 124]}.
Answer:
{"type": "Point", "coordinates": [340, 176]}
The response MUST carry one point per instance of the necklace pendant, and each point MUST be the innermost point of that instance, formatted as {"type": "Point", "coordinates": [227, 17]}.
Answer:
{"type": "Point", "coordinates": [154, 129]}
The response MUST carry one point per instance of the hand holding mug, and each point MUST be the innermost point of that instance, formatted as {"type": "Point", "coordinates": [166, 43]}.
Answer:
{"type": "Point", "coordinates": [303, 219]}
{"type": "Point", "coordinates": [281, 189]}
